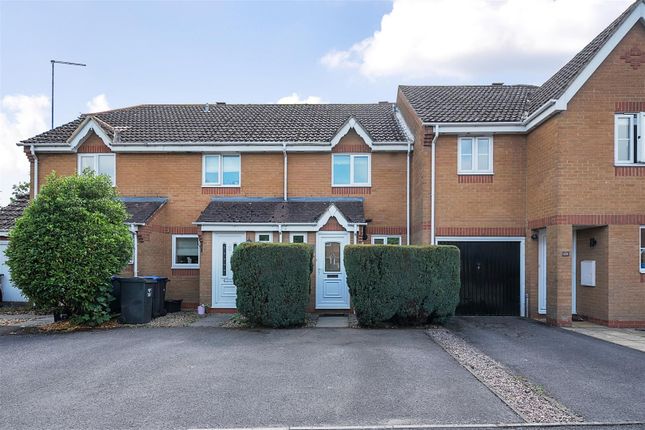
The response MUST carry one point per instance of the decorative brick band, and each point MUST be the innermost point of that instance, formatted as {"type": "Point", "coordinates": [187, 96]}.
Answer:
{"type": "Point", "coordinates": [630, 171]}
{"type": "Point", "coordinates": [634, 57]}
{"type": "Point", "coordinates": [428, 135]}
{"type": "Point", "coordinates": [351, 190]}
{"type": "Point", "coordinates": [385, 230]}
{"type": "Point", "coordinates": [185, 272]}
{"type": "Point", "coordinates": [93, 148]}
{"type": "Point", "coordinates": [346, 147]}
{"type": "Point", "coordinates": [480, 231]}
{"type": "Point", "coordinates": [426, 226]}
{"type": "Point", "coordinates": [475, 179]}
{"type": "Point", "coordinates": [616, 323]}
{"type": "Point", "coordinates": [172, 229]}
{"type": "Point", "coordinates": [633, 219]}
{"type": "Point", "coordinates": [630, 106]}
{"type": "Point", "coordinates": [221, 191]}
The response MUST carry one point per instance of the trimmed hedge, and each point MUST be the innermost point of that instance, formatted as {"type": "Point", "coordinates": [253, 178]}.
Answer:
{"type": "Point", "coordinates": [406, 284]}
{"type": "Point", "coordinates": [273, 282]}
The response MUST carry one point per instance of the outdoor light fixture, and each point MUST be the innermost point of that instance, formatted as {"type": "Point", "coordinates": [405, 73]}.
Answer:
{"type": "Point", "coordinates": [534, 236]}
{"type": "Point", "coordinates": [593, 242]}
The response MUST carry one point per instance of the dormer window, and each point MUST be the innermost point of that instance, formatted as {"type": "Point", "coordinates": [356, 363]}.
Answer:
{"type": "Point", "coordinates": [629, 143]}
{"type": "Point", "coordinates": [99, 164]}
{"type": "Point", "coordinates": [351, 170]}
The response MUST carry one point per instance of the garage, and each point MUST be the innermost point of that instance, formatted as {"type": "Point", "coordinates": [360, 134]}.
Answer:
{"type": "Point", "coordinates": [492, 276]}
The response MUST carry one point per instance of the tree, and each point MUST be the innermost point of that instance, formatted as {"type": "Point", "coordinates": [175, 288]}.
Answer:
{"type": "Point", "coordinates": [18, 190]}
{"type": "Point", "coordinates": [68, 243]}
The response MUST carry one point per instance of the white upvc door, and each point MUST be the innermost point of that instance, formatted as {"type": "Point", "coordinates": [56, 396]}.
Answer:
{"type": "Point", "coordinates": [542, 271]}
{"type": "Point", "coordinates": [224, 291]}
{"type": "Point", "coordinates": [331, 280]}
{"type": "Point", "coordinates": [9, 292]}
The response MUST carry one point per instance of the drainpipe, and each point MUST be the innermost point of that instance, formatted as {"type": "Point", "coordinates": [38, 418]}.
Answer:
{"type": "Point", "coordinates": [284, 151]}
{"type": "Point", "coordinates": [280, 230]}
{"type": "Point", "coordinates": [407, 197]}
{"type": "Point", "coordinates": [355, 234]}
{"type": "Point", "coordinates": [135, 251]}
{"type": "Point", "coordinates": [35, 184]}
{"type": "Point", "coordinates": [433, 185]}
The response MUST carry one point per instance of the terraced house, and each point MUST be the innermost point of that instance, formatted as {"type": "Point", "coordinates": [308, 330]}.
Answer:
{"type": "Point", "coordinates": [541, 187]}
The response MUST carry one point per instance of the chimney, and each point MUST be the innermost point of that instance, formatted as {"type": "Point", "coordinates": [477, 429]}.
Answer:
{"type": "Point", "coordinates": [206, 108]}
{"type": "Point", "coordinates": [498, 84]}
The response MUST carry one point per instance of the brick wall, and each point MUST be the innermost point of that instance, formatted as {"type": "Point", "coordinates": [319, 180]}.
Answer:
{"type": "Point", "coordinates": [592, 302]}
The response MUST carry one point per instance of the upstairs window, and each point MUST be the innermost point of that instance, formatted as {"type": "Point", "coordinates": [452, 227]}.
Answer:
{"type": "Point", "coordinates": [221, 170]}
{"type": "Point", "coordinates": [185, 251]}
{"type": "Point", "coordinates": [629, 143]}
{"type": "Point", "coordinates": [386, 240]}
{"type": "Point", "coordinates": [642, 266]}
{"type": "Point", "coordinates": [351, 170]}
{"type": "Point", "coordinates": [475, 156]}
{"type": "Point", "coordinates": [100, 164]}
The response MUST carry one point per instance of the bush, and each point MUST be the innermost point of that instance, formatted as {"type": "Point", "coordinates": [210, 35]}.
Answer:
{"type": "Point", "coordinates": [68, 243]}
{"type": "Point", "coordinates": [273, 282]}
{"type": "Point", "coordinates": [406, 284]}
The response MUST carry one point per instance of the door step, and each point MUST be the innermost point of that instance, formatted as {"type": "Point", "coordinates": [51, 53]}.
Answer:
{"type": "Point", "coordinates": [333, 322]}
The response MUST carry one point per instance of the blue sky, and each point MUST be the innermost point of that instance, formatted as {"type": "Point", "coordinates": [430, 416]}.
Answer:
{"type": "Point", "coordinates": [265, 51]}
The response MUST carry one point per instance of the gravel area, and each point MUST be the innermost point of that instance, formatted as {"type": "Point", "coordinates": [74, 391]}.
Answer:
{"type": "Point", "coordinates": [175, 319]}
{"type": "Point", "coordinates": [12, 321]}
{"type": "Point", "coordinates": [528, 400]}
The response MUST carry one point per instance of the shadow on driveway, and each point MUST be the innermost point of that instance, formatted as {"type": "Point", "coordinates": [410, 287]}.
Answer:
{"type": "Point", "coordinates": [599, 380]}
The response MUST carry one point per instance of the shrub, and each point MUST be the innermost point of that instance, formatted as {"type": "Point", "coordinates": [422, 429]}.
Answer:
{"type": "Point", "coordinates": [407, 284]}
{"type": "Point", "coordinates": [68, 243]}
{"type": "Point", "coordinates": [273, 282]}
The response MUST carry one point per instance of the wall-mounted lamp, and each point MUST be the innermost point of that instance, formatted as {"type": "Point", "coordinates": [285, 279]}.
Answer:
{"type": "Point", "coordinates": [593, 242]}
{"type": "Point", "coordinates": [534, 236]}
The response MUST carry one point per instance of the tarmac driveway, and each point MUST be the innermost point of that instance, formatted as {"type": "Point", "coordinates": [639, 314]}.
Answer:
{"type": "Point", "coordinates": [601, 381]}
{"type": "Point", "coordinates": [205, 377]}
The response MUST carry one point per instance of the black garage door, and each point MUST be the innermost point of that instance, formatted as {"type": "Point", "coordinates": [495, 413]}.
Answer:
{"type": "Point", "coordinates": [490, 278]}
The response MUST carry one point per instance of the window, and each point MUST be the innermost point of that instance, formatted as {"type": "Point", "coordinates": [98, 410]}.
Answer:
{"type": "Point", "coordinates": [185, 251]}
{"type": "Point", "coordinates": [475, 155]}
{"type": "Point", "coordinates": [629, 144]}
{"type": "Point", "coordinates": [332, 257]}
{"type": "Point", "coordinates": [264, 237]}
{"type": "Point", "coordinates": [100, 164]}
{"type": "Point", "coordinates": [643, 249]}
{"type": "Point", "coordinates": [351, 170]}
{"type": "Point", "coordinates": [298, 237]}
{"type": "Point", "coordinates": [221, 170]}
{"type": "Point", "coordinates": [386, 240]}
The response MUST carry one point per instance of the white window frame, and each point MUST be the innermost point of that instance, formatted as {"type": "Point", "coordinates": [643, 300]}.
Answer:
{"type": "Point", "coordinates": [635, 141]}
{"type": "Point", "coordinates": [257, 236]}
{"type": "Point", "coordinates": [475, 157]}
{"type": "Point", "coordinates": [174, 252]}
{"type": "Point", "coordinates": [220, 182]}
{"type": "Point", "coordinates": [351, 170]}
{"type": "Point", "coordinates": [385, 237]}
{"type": "Point", "coordinates": [298, 233]}
{"type": "Point", "coordinates": [641, 249]}
{"type": "Point", "coordinates": [95, 168]}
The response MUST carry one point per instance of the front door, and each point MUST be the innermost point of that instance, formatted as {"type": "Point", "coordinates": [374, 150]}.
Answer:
{"type": "Point", "coordinates": [542, 271]}
{"type": "Point", "coordinates": [331, 281]}
{"type": "Point", "coordinates": [224, 291]}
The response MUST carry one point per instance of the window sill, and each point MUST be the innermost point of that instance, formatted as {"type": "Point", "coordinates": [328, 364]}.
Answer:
{"type": "Point", "coordinates": [220, 186]}
{"type": "Point", "coordinates": [475, 173]}
{"type": "Point", "coordinates": [187, 266]}
{"type": "Point", "coordinates": [351, 186]}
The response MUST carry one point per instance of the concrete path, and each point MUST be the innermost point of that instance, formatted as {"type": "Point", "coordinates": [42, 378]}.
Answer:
{"type": "Point", "coordinates": [203, 377]}
{"type": "Point", "coordinates": [332, 322]}
{"type": "Point", "coordinates": [212, 320]}
{"type": "Point", "coordinates": [599, 380]}
{"type": "Point", "coordinates": [629, 337]}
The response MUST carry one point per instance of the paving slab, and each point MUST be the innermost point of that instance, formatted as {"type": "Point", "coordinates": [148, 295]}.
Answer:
{"type": "Point", "coordinates": [332, 322]}
{"type": "Point", "coordinates": [629, 337]}
{"type": "Point", "coordinates": [197, 377]}
{"type": "Point", "coordinates": [599, 380]}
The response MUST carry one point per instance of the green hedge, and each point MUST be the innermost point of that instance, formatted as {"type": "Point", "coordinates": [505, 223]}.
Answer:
{"type": "Point", "coordinates": [406, 284]}
{"type": "Point", "coordinates": [273, 282]}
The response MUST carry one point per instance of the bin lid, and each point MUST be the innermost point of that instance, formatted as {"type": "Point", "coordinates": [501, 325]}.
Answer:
{"type": "Point", "coordinates": [155, 278]}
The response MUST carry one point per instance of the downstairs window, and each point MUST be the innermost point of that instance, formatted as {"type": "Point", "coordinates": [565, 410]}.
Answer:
{"type": "Point", "coordinates": [386, 240]}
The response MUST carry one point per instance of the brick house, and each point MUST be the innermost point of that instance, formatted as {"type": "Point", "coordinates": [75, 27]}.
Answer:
{"type": "Point", "coordinates": [541, 187]}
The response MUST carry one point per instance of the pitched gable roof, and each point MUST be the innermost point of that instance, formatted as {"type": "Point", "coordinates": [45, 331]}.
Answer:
{"type": "Point", "coordinates": [12, 211]}
{"type": "Point", "coordinates": [224, 123]}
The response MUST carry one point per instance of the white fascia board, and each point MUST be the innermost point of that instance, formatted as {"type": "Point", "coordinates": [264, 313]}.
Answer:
{"type": "Point", "coordinates": [89, 124]}
{"type": "Point", "coordinates": [404, 125]}
{"type": "Point", "coordinates": [491, 128]}
{"type": "Point", "coordinates": [352, 123]}
{"type": "Point", "coordinates": [480, 238]}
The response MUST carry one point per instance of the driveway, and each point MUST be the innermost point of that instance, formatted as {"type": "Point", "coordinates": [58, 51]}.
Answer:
{"type": "Point", "coordinates": [208, 377]}
{"type": "Point", "coordinates": [601, 381]}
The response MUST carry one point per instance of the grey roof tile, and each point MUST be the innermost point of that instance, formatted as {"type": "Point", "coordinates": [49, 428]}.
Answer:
{"type": "Point", "coordinates": [237, 123]}
{"type": "Point", "coordinates": [268, 210]}
{"type": "Point", "coordinates": [12, 211]}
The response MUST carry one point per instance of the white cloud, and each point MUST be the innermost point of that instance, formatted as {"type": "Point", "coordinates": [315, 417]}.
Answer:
{"type": "Point", "coordinates": [98, 104]}
{"type": "Point", "coordinates": [294, 98]}
{"type": "Point", "coordinates": [21, 117]}
{"type": "Point", "coordinates": [466, 40]}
